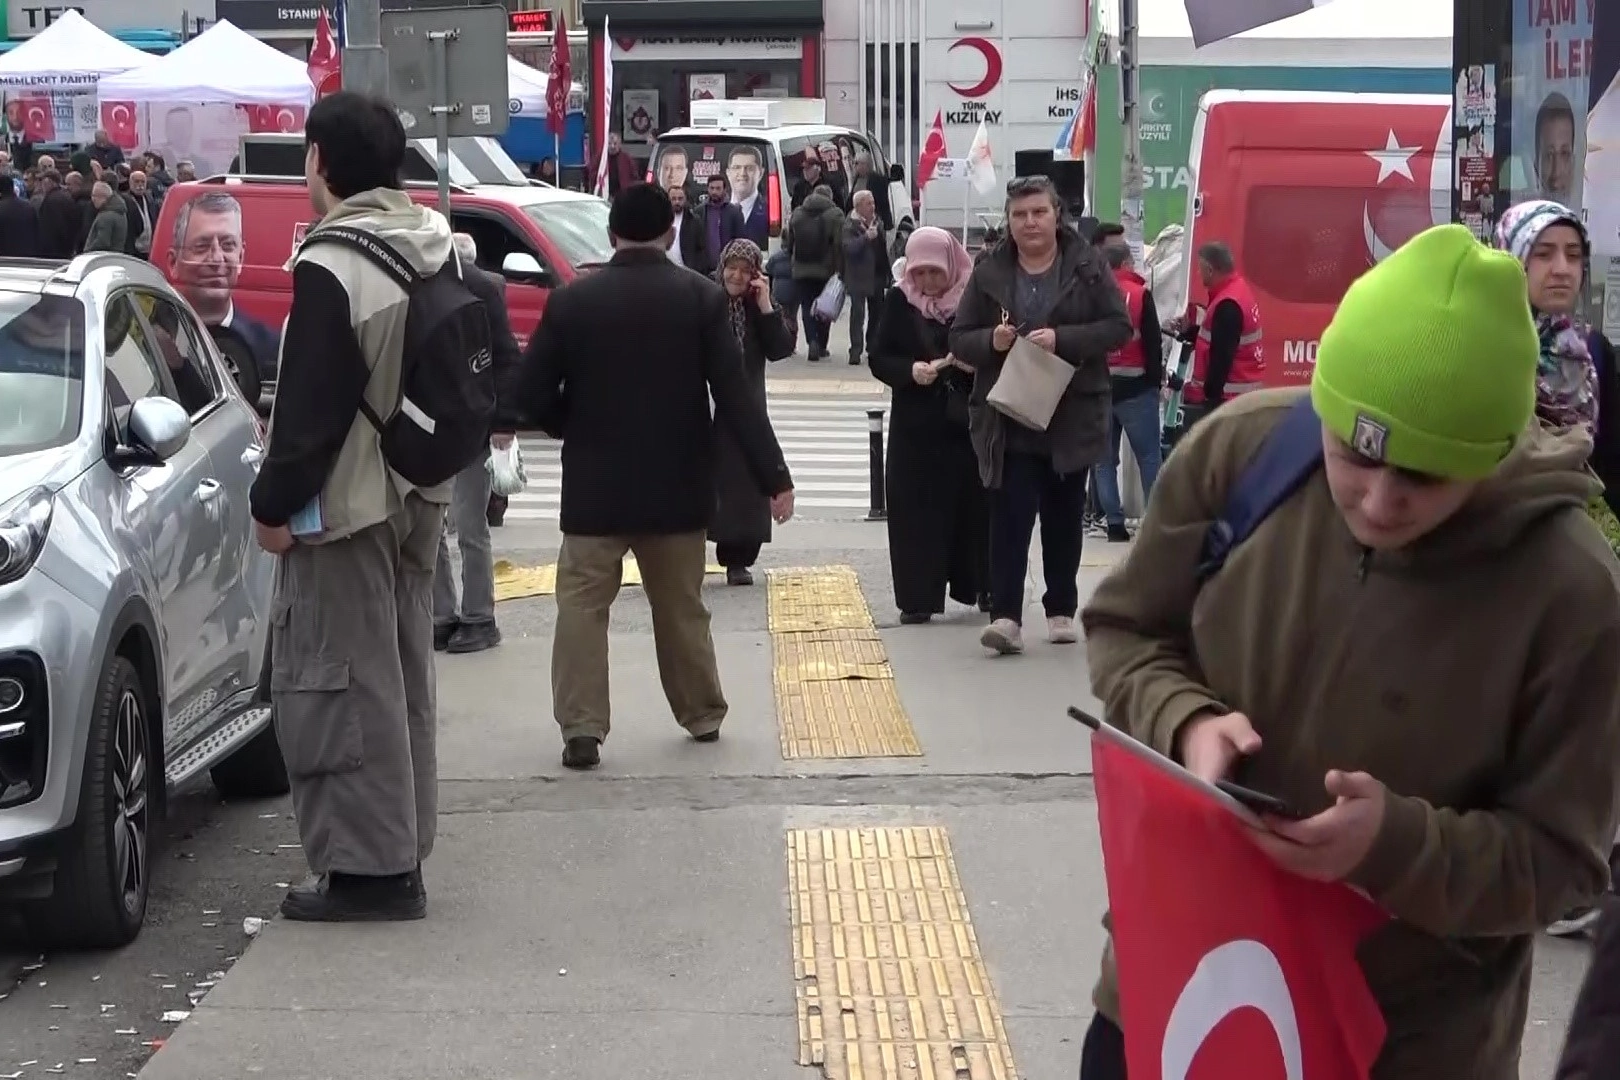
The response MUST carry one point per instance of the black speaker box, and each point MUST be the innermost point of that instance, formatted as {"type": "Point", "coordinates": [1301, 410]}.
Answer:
{"type": "Point", "coordinates": [1032, 162]}
{"type": "Point", "coordinates": [1069, 177]}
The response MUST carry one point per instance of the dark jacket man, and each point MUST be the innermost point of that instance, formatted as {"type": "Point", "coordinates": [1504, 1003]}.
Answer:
{"type": "Point", "coordinates": [694, 249]}
{"type": "Point", "coordinates": [722, 223]}
{"type": "Point", "coordinates": [19, 226]}
{"type": "Point", "coordinates": [109, 228]}
{"type": "Point", "coordinates": [508, 359]}
{"type": "Point", "coordinates": [60, 219]}
{"type": "Point", "coordinates": [1592, 1047]}
{"type": "Point", "coordinates": [866, 258]}
{"type": "Point", "coordinates": [815, 239]}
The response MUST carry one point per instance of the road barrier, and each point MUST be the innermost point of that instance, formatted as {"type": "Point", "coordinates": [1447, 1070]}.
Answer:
{"type": "Point", "coordinates": [878, 510]}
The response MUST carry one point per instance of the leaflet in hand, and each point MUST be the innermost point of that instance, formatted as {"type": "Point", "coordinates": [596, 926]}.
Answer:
{"type": "Point", "coordinates": [309, 521]}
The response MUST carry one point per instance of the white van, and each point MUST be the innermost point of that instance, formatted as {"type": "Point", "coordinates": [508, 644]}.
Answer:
{"type": "Point", "coordinates": [759, 145]}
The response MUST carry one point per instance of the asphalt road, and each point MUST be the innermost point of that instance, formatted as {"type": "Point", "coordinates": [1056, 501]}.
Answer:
{"type": "Point", "coordinates": [99, 1016]}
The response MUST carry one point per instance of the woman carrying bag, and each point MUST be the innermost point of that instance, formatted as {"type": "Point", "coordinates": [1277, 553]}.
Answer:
{"type": "Point", "coordinates": [938, 517]}
{"type": "Point", "coordinates": [742, 518]}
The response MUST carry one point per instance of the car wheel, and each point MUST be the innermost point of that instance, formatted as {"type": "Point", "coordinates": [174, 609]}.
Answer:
{"type": "Point", "coordinates": [256, 771]}
{"type": "Point", "coordinates": [99, 895]}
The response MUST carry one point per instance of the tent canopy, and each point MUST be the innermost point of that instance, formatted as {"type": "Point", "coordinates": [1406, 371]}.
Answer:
{"type": "Point", "coordinates": [70, 54]}
{"type": "Point", "coordinates": [1345, 33]}
{"type": "Point", "coordinates": [220, 66]}
{"type": "Point", "coordinates": [527, 87]}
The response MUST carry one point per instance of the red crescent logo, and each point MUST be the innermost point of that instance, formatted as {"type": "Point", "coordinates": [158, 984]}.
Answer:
{"type": "Point", "coordinates": [992, 66]}
{"type": "Point", "coordinates": [36, 114]}
{"type": "Point", "coordinates": [286, 119]}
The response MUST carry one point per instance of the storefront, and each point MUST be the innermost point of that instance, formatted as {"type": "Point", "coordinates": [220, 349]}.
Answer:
{"type": "Point", "coordinates": [156, 26]}
{"type": "Point", "coordinates": [289, 25]}
{"type": "Point", "coordinates": [667, 53]}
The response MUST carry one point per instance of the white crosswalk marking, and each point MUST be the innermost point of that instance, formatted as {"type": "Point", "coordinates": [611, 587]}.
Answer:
{"type": "Point", "coordinates": [825, 440]}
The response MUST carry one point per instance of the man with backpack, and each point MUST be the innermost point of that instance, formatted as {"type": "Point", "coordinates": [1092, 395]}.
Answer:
{"type": "Point", "coordinates": [815, 246]}
{"type": "Point", "coordinates": [1382, 602]}
{"type": "Point", "coordinates": [386, 392]}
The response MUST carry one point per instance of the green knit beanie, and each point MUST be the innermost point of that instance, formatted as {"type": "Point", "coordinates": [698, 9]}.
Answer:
{"type": "Point", "coordinates": [1430, 362]}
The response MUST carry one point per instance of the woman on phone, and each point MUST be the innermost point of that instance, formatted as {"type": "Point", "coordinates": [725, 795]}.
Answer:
{"type": "Point", "coordinates": [938, 521]}
{"type": "Point", "coordinates": [742, 519]}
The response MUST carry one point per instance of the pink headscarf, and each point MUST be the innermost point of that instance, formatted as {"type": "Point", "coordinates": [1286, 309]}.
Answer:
{"type": "Point", "coordinates": [933, 247]}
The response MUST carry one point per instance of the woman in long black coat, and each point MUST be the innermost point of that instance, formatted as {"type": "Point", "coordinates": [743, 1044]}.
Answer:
{"type": "Point", "coordinates": [742, 517]}
{"type": "Point", "coordinates": [938, 515]}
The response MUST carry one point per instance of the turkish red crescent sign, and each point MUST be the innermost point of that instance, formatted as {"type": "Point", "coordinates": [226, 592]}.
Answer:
{"type": "Point", "coordinates": [991, 55]}
{"type": "Point", "coordinates": [1230, 968]}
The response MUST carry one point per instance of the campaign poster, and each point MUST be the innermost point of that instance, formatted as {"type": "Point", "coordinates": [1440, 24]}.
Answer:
{"type": "Point", "coordinates": [1474, 148]}
{"type": "Point", "coordinates": [1552, 69]}
{"type": "Point", "coordinates": [1602, 172]}
{"type": "Point", "coordinates": [711, 87]}
{"type": "Point", "coordinates": [640, 116]}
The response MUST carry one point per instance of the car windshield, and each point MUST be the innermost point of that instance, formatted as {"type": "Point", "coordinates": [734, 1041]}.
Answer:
{"type": "Point", "coordinates": [41, 371]}
{"type": "Point", "coordinates": [578, 228]}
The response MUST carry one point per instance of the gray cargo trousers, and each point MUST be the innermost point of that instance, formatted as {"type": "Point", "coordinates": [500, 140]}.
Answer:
{"type": "Point", "coordinates": [352, 687]}
{"type": "Point", "coordinates": [469, 510]}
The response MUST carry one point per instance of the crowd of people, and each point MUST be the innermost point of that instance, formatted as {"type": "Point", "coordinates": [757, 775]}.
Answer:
{"type": "Point", "coordinates": [95, 199]}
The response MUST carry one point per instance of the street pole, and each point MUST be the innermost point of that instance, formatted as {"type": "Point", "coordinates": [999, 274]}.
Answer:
{"type": "Point", "coordinates": [440, 40]}
{"type": "Point", "coordinates": [1131, 179]}
{"type": "Point", "coordinates": [365, 63]}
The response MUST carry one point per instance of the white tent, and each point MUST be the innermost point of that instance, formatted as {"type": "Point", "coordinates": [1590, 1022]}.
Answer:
{"type": "Point", "coordinates": [220, 66]}
{"type": "Point", "coordinates": [1345, 33]}
{"type": "Point", "coordinates": [71, 54]}
{"type": "Point", "coordinates": [527, 87]}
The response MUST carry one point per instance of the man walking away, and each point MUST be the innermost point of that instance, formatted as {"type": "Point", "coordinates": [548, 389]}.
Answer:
{"type": "Point", "coordinates": [1227, 356]}
{"type": "Point", "coordinates": [1046, 284]}
{"type": "Point", "coordinates": [814, 243]}
{"type": "Point", "coordinates": [59, 218]}
{"type": "Point", "coordinates": [19, 226]}
{"type": "Point", "coordinates": [352, 655]}
{"type": "Point", "coordinates": [1136, 372]}
{"type": "Point", "coordinates": [470, 626]}
{"type": "Point", "coordinates": [638, 462]}
{"type": "Point", "coordinates": [866, 272]}
{"type": "Point", "coordinates": [109, 226]}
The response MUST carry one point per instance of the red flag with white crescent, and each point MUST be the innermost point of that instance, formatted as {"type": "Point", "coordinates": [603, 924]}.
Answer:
{"type": "Point", "coordinates": [38, 119]}
{"type": "Point", "coordinates": [325, 64]}
{"type": "Point", "coordinates": [933, 149]}
{"type": "Point", "coordinates": [559, 79]}
{"type": "Point", "coordinates": [118, 120]}
{"type": "Point", "coordinates": [1230, 968]}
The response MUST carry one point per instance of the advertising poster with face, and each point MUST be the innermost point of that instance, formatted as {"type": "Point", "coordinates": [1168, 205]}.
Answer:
{"type": "Point", "coordinates": [1552, 59]}
{"type": "Point", "coordinates": [205, 135]}
{"type": "Point", "coordinates": [204, 263]}
{"type": "Point", "coordinates": [1474, 148]}
{"type": "Point", "coordinates": [1602, 201]}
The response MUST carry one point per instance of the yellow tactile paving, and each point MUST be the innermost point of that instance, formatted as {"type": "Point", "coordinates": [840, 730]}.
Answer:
{"type": "Point", "coordinates": [835, 691]}
{"type": "Point", "coordinates": [890, 982]}
{"type": "Point", "coordinates": [513, 582]}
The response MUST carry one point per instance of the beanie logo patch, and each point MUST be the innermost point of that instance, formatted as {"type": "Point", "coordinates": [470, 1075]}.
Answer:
{"type": "Point", "coordinates": [1370, 439]}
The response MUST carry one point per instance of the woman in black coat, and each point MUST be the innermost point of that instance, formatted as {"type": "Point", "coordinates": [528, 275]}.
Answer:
{"type": "Point", "coordinates": [1592, 1048]}
{"type": "Point", "coordinates": [742, 517]}
{"type": "Point", "coordinates": [938, 518]}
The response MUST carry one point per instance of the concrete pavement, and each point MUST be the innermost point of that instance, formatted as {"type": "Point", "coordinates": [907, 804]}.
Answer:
{"type": "Point", "coordinates": [654, 919]}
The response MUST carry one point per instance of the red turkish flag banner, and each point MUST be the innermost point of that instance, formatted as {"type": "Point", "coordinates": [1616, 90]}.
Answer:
{"type": "Point", "coordinates": [325, 67]}
{"type": "Point", "coordinates": [38, 118]}
{"type": "Point", "coordinates": [118, 119]}
{"type": "Point", "coordinates": [1230, 968]}
{"type": "Point", "coordinates": [559, 79]}
{"type": "Point", "coordinates": [933, 149]}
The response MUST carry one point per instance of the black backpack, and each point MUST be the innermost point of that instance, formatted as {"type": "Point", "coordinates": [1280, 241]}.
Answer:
{"type": "Point", "coordinates": [1290, 455]}
{"type": "Point", "coordinates": [446, 406]}
{"type": "Point", "coordinates": [812, 245]}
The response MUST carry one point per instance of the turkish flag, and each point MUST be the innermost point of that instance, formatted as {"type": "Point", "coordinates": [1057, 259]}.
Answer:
{"type": "Point", "coordinates": [559, 79]}
{"type": "Point", "coordinates": [38, 119]}
{"type": "Point", "coordinates": [933, 149]}
{"type": "Point", "coordinates": [1230, 968]}
{"type": "Point", "coordinates": [325, 65]}
{"type": "Point", "coordinates": [118, 118]}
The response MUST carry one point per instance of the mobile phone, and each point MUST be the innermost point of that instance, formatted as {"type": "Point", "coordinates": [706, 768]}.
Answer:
{"type": "Point", "coordinates": [1258, 801]}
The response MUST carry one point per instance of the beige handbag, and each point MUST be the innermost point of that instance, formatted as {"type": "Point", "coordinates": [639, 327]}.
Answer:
{"type": "Point", "coordinates": [1031, 384]}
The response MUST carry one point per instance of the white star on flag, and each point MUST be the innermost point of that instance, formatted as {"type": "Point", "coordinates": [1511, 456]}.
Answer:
{"type": "Point", "coordinates": [1393, 158]}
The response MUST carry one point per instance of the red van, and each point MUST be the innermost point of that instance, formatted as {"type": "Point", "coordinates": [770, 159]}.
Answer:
{"type": "Point", "coordinates": [225, 243]}
{"type": "Point", "coordinates": [1309, 190]}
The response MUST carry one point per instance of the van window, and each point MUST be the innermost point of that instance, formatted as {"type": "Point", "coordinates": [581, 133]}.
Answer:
{"type": "Point", "coordinates": [577, 228]}
{"type": "Point", "coordinates": [743, 161]}
{"type": "Point", "coordinates": [494, 238]}
{"type": "Point", "coordinates": [1307, 245]}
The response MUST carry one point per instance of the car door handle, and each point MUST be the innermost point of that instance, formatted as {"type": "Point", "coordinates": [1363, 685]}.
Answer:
{"type": "Point", "coordinates": [253, 455]}
{"type": "Point", "coordinates": [208, 491]}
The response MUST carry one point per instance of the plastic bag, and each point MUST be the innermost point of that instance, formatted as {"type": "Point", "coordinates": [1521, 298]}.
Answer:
{"type": "Point", "coordinates": [506, 476]}
{"type": "Point", "coordinates": [830, 304]}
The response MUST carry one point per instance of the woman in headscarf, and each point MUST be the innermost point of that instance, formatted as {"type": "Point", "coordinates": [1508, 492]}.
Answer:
{"type": "Point", "coordinates": [938, 517]}
{"type": "Point", "coordinates": [742, 518]}
{"type": "Point", "coordinates": [1575, 378]}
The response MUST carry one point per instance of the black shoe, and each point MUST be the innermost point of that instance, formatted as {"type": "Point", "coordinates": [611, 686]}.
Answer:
{"type": "Point", "coordinates": [1118, 534]}
{"type": "Point", "coordinates": [473, 637]}
{"type": "Point", "coordinates": [708, 736]}
{"type": "Point", "coordinates": [986, 603]}
{"type": "Point", "coordinates": [854, 359]}
{"type": "Point", "coordinates": [495, 513]}
{"type": "Point", "coordinates": [739, 575]}
{"type": "Point", "coordinates": [582, 752]}
{"type": "Point", "coordinates": [356, 898]}
{"type": "Point", "coordinates": [914, 618]}
{"type": "Point", "coordinates": [443, 634]}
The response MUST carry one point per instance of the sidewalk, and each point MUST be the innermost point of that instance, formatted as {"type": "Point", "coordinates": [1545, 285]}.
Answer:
{"type": "Point", "coordinates": [663, 917]}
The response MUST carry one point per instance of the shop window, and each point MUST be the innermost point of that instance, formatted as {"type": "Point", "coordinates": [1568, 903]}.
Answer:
{"type": "Point", "coordinates": [653, 96]}
{"type": "Point", "coordinates": [1307, 245]}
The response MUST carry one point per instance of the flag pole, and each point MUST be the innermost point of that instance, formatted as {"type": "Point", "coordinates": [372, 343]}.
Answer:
{"type": "Point", "coordinates": [1131, 178]}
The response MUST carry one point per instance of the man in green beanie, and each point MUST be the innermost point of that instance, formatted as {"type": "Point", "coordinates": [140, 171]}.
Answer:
{"type": "Point", "coordinates": [1415, 646]}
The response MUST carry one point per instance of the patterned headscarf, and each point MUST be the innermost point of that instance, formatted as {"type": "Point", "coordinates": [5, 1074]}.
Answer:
{"type": "Point", "coordinates": [747, 252]}
{"type": "Point", "coordinates": [1566, 376]}
{"type": "Point", "coordinates": [934, 248]}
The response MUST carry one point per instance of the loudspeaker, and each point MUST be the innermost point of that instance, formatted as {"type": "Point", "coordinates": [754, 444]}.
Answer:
{"type": "Point", "coordinates": [1069, 177]}
{"type": "Point", "coordinates": [1032, 162]}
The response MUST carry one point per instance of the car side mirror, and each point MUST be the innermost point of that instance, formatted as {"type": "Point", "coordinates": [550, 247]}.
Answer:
{"type": "Point", "coordinates": [523, 267]}
{"type": "Point", "coordinates": [158, 429]}
{"type": "Point", "coordinates": [897, 174]}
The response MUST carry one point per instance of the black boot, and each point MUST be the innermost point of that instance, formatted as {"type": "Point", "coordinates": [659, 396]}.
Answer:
{"type": "Point", "coordinates": [582, 752]}
{"type": "Point", "coordinates": [357, 898]}
{"type": "Point", "coordinates": [443, 634]}
{"type": "Point", "coordinates": [471, 637]}
{"type": "Point", "coordinates": [739, 575]}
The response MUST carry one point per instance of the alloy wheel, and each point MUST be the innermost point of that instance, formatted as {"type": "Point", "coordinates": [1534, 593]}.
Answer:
{"type": "Point", "coordinates": [130, 782]}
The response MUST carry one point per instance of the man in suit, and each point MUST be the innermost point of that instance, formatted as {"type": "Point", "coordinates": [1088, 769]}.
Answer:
{"type": "Point", "coordinates": [689, 248]}
{"type": "Point", "coordinates": [722, 218]}
{"type": "Point", "coordinates": [469, 626]}
{"type": "Point", "coordinates": [745, 170]}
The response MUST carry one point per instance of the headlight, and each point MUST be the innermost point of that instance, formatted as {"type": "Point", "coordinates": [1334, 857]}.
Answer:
{"type": "Point", "coordinates": [24, 522]}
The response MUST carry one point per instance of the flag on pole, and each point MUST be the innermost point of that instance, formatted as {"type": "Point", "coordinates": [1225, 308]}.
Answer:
{"type": "Point", "coordinates": [1230, 967]}
{"type": "Point", "coordinates": [1217, 20]}
{"type": "Point", "coordinates": [559, 80]}
{"type": "Point", "coordinates": [981, 164]}
{"type": "Point", "coordinates": [933, 151]}
{"type": "Point", "coordinates": [324, 67]}
{"type": "Point", "coordinates": [607, 110]}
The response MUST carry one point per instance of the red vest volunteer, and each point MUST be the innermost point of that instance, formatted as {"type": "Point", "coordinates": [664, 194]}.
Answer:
{"type": "Point", "coordinates": [1248, 369]}
{"type": "Point", "coordinates": [1129, 361]}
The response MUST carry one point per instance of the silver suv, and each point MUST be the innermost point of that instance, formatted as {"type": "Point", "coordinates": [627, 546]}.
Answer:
{"type": "Point", "coordinates": [134, 603]}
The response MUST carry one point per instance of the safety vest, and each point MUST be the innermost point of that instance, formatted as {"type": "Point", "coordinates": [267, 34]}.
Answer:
{"type": "Point", "coordinates": [1248, 370]}
{"type": "Point", "coordinates": [1128, 361]}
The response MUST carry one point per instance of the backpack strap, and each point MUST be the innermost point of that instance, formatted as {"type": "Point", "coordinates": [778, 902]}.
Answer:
{"type": "Point", "coordinates": [1288, 458]}
{"type": "Point", "coordinates": [381, 253]}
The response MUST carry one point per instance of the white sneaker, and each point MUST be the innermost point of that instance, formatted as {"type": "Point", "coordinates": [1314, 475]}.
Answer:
{"type": "Point", "coordinates": [1575, 923]}
{"type": "Point", "coordinates": [1060, 630]}
{"type": "Point", "coordinates": [1003, 637]}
